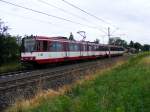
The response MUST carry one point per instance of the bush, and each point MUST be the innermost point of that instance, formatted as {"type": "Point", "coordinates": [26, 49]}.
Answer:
{"type": "Point", "coordinates": [9, 49]}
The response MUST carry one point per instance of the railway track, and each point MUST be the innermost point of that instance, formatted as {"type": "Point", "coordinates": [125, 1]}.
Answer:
{"type": "Point", "coordinates": [4, 76]}
{"type": "Point", "coordinates": [47, 78]}
{"type": "Point", "coordinates": [11, 74]}
{"type": "Point", "coordinates": [31, 77]}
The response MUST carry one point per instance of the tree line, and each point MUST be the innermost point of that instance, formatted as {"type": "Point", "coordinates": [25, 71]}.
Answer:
{"type": "Point", "coordinates": [9, 49]}
{"type": "Point", "coordinates": [134, 45]}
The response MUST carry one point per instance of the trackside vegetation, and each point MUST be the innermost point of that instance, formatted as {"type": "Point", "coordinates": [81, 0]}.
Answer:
{"type": "Point", "coordinates": [9, 54]}
{"type": "Point", "coordinates": [10, 67]}
{"type": "Point", "coordinates": [125, 88]}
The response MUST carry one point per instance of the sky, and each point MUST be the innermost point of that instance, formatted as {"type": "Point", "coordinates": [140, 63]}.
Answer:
{"type": "Point", "coordinates": [128, 19]}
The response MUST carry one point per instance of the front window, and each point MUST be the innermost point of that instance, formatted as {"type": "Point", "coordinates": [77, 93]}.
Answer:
{"type": "Point", "coordinates": [29, 44]}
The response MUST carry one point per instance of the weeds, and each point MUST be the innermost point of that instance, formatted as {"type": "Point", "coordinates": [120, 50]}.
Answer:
{"type": "Point", "coordinates": [124, 88]}
{"type": "Point", "coordinates": [10, 67]}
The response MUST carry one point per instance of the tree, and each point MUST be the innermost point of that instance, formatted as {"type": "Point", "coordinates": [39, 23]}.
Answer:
{"type": "Point", "coordinates": [3, 28]}
{"type": "Point", "coordinates": [137, 46]}
{"type": "Point", "coordinates": [146, 47]}
{"type": "Point", "coordinates": [131, 44]}
{"type": "Point", "coordinates": [97, 41]}
{"type": "Point", "coordinates": [9, 50]}
{"type": "Point", "coordinates": [71, 37]}
{"type": "Point", "coordinates": [111, 41]}
{"type": "Point", "coordinates": [18, 40]}
{"type": "Point", "coordinates": [117, 41]}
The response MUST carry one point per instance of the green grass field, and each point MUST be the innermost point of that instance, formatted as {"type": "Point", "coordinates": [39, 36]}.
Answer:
{"type": "Point", "coordinates": [10, 67]}
{"type": "Point", "coordinates": [125, 88]}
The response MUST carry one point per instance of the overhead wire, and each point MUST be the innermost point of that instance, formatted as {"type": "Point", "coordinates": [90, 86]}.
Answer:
{"type": "Point", "coordinates": [63, 10]}
{"type": "Point", "coordinates": [29, 18]}
{"type": "Point", "coordinates": [92, 15]}
{"type": "Point", "coordinates": [57, 17]}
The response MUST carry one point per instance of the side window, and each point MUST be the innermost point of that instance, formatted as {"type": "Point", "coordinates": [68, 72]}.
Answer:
{"type": "Point", "coordinates": [45, 45]}
{"type": "Point", "coordinates": [52, 46]}
{"type": "Point", "coordinates": [71, 47]}
{"type": "Point", "coordinates": [81, 47]}
{"type": "Point", "coordinates": [114, 48]}
{"type": "Point", "coordinates": [55, 46]}
{"type": "Point", "coordinates": [59, 46]}
{"type": "Point", "coordinates": [38, 45]}
{"type": "Point", "coordinates": [111, 48]}
{"type": "Point", "coordinates": [84, 47]}
{"type": "Point", "coordinates": [90, 47]}
{"type": "Point", "coordinates": [121, 49]}
{"type": "Point", "coordinates": [100, 48]}
{"type": "Point", "coordinates": [76, 47]}
{"type": "Point", "coordinates": [97, 48]}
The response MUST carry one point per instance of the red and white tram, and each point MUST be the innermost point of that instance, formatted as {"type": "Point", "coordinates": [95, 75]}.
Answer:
{"type": "Point", "coordinates": [42, 50]}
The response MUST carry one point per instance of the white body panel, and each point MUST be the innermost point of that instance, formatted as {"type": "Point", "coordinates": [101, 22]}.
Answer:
{"type": "Point", "coordinates": [51, 55]}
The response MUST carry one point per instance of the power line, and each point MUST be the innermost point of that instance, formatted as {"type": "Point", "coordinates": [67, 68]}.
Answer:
{"type": "Point", "coordinates": [92, 15]}
{"type": "Point", "coordinates": [63, 10]}
{"type": "Point", "coordinates": [40, 12]}
{"type": "Point", "coordinates": [29, 18]}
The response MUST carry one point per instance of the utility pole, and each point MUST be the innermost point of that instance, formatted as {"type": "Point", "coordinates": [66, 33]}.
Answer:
{"type": "Point", "coordinates": [109, 41]}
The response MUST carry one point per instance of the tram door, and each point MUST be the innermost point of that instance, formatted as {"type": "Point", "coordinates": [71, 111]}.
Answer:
{"type": "Point", "coordinates": [81, 49]}
{"type": "Point", "coordinates": [90, 50]}
{"type": "Point", "coordinates": [66, 49]}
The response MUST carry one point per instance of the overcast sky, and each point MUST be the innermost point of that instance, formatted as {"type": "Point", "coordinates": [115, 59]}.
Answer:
{"type": "Point", "coordinates": [132, 17]}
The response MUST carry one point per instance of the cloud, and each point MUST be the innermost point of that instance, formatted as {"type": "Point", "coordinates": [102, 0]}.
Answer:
{"type": "Point", "coordinates": [131, 16]}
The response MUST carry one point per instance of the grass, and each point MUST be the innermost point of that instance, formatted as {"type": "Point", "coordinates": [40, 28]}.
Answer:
{"type": "Point", "coordinates": [10, 67]}
{"type": "Point", "coordinates": [125, 88]}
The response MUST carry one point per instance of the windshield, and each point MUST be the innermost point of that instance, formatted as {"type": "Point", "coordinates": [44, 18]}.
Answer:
{"type": "Point", "coordinates": [29, 45]}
